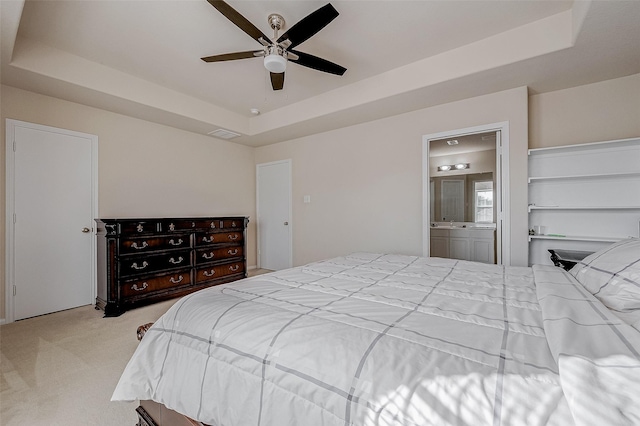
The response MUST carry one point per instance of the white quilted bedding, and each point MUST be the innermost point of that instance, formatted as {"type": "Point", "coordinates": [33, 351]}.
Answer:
{"type": "Point", "coordinates": [371, 339]}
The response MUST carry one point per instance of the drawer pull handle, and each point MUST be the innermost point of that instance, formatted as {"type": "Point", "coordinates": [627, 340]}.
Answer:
{"type": "Point", "coordinates": [136, 288]}
{"type": "Point", "coordinates": [233, 237]}
{"type": "Point", "coordinates": [234, 268]}
{"type": "Point", "coordinates": [207, 239]}
{"type": "Point", "coordinates": [144, 265]}
{"type": "Point", "coordinates": [175, 262]}
{"type": "Point", "coordinates": [173, 280]}
{"type": "Point", "coordinates": [232, 252]}
{"type": "Point", "coordinates": [207, 256]}
{"type": "Point", "coordinates": [144, 245]}
{"type": "Point", "coordinates": [209, 274]}
{"type": "Point", "coordinates": [173, 243]}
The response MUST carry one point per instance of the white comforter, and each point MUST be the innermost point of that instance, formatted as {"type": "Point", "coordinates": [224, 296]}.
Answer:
{"type": "Point", "coordinates": [370, 339]}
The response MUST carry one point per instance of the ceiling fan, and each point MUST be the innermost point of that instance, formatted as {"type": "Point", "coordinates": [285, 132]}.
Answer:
{"type": "Point", "coordinates": [279, 51]}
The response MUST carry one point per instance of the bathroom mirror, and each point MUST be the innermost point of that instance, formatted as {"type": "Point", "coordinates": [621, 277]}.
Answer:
{"type": "Point", "coordinates": [462, 183]}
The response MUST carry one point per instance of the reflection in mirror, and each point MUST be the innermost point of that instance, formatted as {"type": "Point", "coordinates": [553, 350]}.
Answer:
{"type": "Point", "coordinates": [465, 194]}
{"type": "Point", "coordinates": [465, 198]}
{"type": "Point", "coordinates": [462, 173]}
{"type": "Point", "coordinates": [483, 201]}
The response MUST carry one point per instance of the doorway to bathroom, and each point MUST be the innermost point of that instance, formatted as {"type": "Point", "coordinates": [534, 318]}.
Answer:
{"type": "Point", "coordinates": [465, 199]}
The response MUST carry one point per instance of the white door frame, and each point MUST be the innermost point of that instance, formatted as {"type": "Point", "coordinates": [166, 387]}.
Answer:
{"type": "Point", "coordinates": [288, 162]}
{"type": "Point", "coordinates": [11, 125]}
{"type": "Point", "coordinates": [503, 216]}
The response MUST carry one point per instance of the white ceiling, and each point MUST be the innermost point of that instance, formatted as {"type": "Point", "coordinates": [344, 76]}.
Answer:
{"type": "Point", "coordinates": [467, 143]}
{"type": "Point", "coordinates": [142, 58]}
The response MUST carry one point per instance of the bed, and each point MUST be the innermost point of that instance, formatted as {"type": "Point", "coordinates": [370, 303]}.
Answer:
{"type": "Point", "coordinates": [383, 339]}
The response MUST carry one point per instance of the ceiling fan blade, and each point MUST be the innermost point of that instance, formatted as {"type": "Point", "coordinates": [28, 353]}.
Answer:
{"type": "Point", "coordinates": [240, 21]}
{"type": "Point", "coordinates": [277, 80]}
{"type": "Point", "coordinates": [309, 25]}
{"type": "Point", "coordinates": [234, 56]}
{"type": "Point", "coordinates": [310, 61]}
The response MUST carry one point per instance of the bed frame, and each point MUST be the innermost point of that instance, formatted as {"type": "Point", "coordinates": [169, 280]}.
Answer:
{"type": "Point", "coordinates": [151, 413]}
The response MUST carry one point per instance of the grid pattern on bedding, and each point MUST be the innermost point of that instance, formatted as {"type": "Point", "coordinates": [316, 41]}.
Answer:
{"type": "Point", "coordinates": [356, 340]}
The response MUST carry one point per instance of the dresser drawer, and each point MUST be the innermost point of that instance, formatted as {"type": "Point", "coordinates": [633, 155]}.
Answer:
{"type": "Point", "coordinates": [207, 255]}
{"type": "Point", "coordinates": [140, 287]}
{"type": "Point", "coordinates": [207, 238]}
{"type": "Point", "coordinates": [138, 227]}
{"type": "Point", "coordinates": [208, 273]}
{"type": "Point", "coordinates": [177, 225]}
{"type": "Point", "coordinates": [136, 265]}
{"type": "Point", "coordinates": [151, 243]}
{"type": "Point", "coordinates": [232, 224]}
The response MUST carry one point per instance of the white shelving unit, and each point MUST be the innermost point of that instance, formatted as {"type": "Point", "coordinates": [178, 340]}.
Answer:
{"type": "Point", "coordinates": [586, 196]}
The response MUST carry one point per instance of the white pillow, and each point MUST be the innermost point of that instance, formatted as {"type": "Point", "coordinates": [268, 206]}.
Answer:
{"type": "Point", "coordinates": [613, 275]}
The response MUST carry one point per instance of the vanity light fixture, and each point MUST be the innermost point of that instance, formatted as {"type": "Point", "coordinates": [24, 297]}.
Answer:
{"type": "Point", "coordinates": [447, 167]}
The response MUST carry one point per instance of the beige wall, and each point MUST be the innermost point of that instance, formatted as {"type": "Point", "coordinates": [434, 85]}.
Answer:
{"type": "Point", "coordinates": [602, 111]}
{"type": "Point", "coordinates": [145, 169]}
{"type": "Point", "coordinates": [365, 181]}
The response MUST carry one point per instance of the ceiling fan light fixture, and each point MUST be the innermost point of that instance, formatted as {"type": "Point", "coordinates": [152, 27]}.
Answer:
{"type": "Point", "coordinates": [275, 63]}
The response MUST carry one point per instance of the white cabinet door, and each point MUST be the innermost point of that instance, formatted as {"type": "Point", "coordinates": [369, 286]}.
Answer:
{"type": "Point", "coordinates": [482, 250]}
{"type": "Point", "coordinates": [459, 248]}
{"type": "Point", "coordinates": [439, 247]}
{"type": "Point", "coordinates": [482, 245]}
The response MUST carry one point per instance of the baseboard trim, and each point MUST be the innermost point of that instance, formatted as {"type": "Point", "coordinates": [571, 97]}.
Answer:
{"type": "Point", "coordinates": [249, 268]}
{"type": "Point", "coordinates": [2, 321]}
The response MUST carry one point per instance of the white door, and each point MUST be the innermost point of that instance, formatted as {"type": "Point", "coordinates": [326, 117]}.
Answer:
{"type": "Point", "coordinates": [53, 243]}
{"type": "Point", "coordinates": [274, 215]}
{"type": "Point", "coordinates": [452, 200]}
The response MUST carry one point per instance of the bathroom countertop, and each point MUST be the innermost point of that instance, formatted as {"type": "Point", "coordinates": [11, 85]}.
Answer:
{"type": "Point", "coordinates": [462, 227]}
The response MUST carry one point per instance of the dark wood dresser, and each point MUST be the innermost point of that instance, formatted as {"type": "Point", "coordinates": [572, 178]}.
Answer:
{"type": "Point", "coordinates": [142, 261]}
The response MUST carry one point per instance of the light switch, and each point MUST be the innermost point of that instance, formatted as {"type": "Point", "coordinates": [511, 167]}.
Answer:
{"type": "Point", "coordinates": [307, 198]}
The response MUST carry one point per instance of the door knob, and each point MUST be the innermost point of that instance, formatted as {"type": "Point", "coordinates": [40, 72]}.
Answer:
{"type": "Point", "coordinates": [286, 223]}
{"type": "Point", "coordinates": [86, 230]}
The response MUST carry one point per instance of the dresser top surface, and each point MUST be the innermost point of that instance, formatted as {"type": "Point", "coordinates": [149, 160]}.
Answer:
{"type": "Point", "coordinates": [146, 219]}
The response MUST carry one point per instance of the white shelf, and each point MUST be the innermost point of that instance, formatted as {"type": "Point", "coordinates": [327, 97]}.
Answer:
{"type": "Point", "coordinates": [583, 208]}
{"type": "Point", "coordinates": [577, 190]}
{"type": "Point", "coordinates": [534, 179]}
{"type": "Point", "coordinates": [575, 238]}
{"type": "Point", "coordinates": [585, 146]}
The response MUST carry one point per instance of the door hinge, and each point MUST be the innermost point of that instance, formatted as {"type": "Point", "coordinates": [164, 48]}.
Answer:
{"type": "Point", "coordinates": [14, 290]}
{"type": "Point", "coordinates": [14, 146]}
{"type": "Point", "coordinates": [14, 218]}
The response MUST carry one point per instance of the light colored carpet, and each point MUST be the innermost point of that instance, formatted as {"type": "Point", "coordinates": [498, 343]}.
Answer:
{"type": "Point", "coordinates": [61, 368]}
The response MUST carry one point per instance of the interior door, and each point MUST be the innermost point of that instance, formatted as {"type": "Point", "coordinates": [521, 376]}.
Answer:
{"type": "Point", "coordinates": [53, 246]}
{"type": "Point", "coordinates": [274, 215]}
{"type": "Point", "coordinates": [452, 200]}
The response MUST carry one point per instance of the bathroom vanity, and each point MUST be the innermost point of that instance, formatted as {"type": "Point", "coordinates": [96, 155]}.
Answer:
{"type": "Point", "coordinates": [476, 243]}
